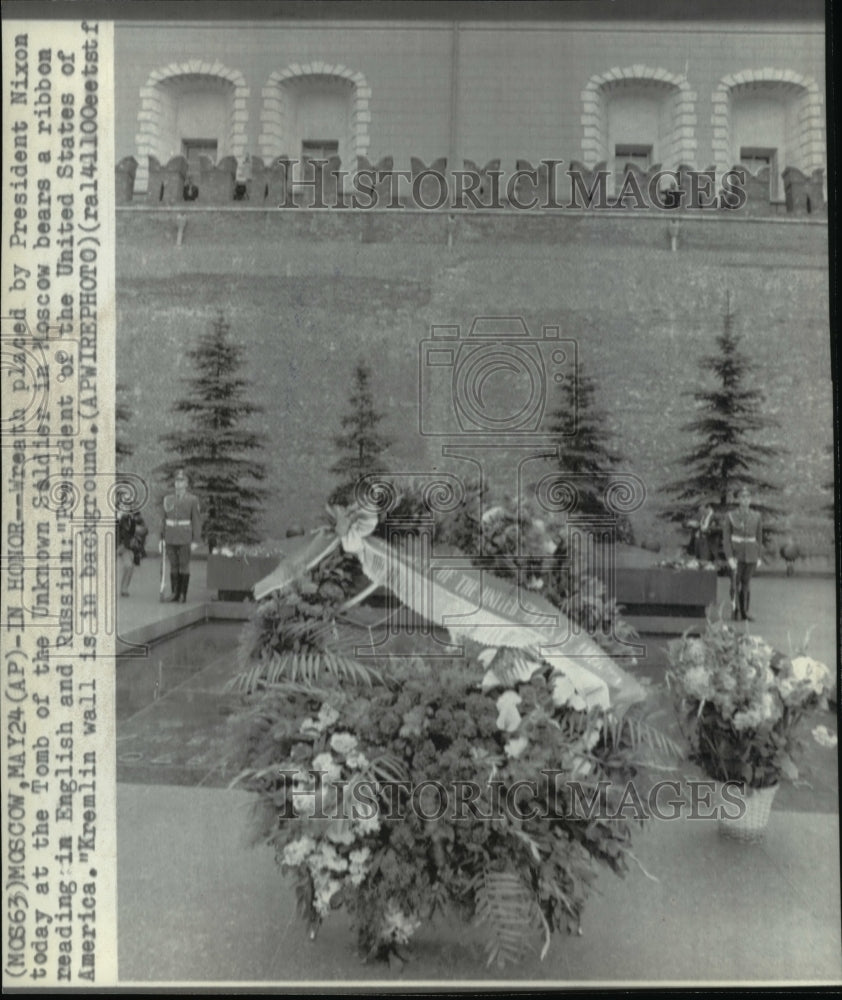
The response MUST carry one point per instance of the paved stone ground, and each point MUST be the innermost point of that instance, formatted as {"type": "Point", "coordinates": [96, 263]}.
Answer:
{"type": "Point", "coordinates": [197, 905]}
{"type": "Point", "coordinates": [172, 711]}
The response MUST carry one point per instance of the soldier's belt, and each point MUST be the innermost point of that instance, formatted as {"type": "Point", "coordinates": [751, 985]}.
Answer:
{"type": "Point", "coordinates": [177, 524]}
{"type": "Point", "coordinates": [739, 538]}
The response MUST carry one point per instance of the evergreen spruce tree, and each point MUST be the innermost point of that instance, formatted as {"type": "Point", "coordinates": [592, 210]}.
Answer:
{"type": "Point", "coordinates": [360, 444]}
{"type": "Point", "coordinates": [123, 448]}
{"type": "Point", "coordinates": [215, 448]}
{"type": "Point", "coordinates": [727, 454]}
{"type": "Point", "coordinates": [587, 453]}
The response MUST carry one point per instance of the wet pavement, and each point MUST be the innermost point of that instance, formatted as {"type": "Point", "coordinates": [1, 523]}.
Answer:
{"type": "Point", "coordinates": [172, 710]}
{"type": "Point", "coordinates": [199, 905]}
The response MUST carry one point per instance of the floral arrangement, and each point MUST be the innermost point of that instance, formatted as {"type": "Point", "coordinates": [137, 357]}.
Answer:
{"type": "Point", "coordinates": [686, 562]}
{"type": "Point", "coordinates": [401, 789]}
{"type": "Point", "coordinates": [743, 704]}
{"type": "Point", "coordinates": [258, 550]}
{"type": "Point", "coordinates": [395, 800]}
{"type": "Point", "coordinates": [511, 530]}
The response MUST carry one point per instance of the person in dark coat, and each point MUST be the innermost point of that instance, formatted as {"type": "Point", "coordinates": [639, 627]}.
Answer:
{"type": "Point", "coordinates": [141, 530]}
{"type": "Point", "coordinates": [181, 529]}
{"type": "Point", "coordinates": [742, 538]}
{"type": "Point", "coordinates": [702, 527]}
{"type": "Point", "coordinates": [128, 549]}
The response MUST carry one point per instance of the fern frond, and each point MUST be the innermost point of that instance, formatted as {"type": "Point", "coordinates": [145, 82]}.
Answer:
{"type": "Point", "coordinates": [389, 768]}
{"type": "Point", "coordinates": [304, 669]}
{"type": "Point", "coordinates": [627, 729]}
{"type": "Point", "coordinates": [510, 911]}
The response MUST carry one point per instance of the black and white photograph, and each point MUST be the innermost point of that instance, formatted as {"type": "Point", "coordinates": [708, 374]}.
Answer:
{"type": "Point", "coordinates": [472, 558]}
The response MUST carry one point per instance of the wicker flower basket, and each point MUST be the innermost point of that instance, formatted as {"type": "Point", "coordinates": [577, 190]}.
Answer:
{"type": "Point", "coordinates": [751, 826]}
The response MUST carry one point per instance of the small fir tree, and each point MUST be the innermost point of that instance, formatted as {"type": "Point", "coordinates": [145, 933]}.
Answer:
{"type": "Point", "coordinates": [585, 441]}
{"type": "Point", "coordinates": [216, 448]}
{"type": "Point", "coordinates": [727, 453]}
{"type": "Point", "coordinates": [361, 446]}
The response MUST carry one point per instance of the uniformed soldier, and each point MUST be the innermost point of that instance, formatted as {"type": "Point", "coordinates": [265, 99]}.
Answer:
{"type": "Point", "coordinates": [742, 538]}
{"type": "Point", "coordinates": [181, 530]}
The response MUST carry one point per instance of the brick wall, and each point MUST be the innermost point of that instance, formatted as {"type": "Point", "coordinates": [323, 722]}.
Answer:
{"type": "Point", "coordinates": [519, 85]}
{"type": "Point", "coordinates": [309, 293]}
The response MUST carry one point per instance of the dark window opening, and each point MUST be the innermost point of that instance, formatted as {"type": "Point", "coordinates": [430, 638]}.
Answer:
{"type": "Point", "coordinates": [639, 155]}
{"type": "Point", "coordinates": [319, 149]}
{"type": "Point", "coordinates": [757, 157]}
{"type": "Point", "coordinates": [193, 149]}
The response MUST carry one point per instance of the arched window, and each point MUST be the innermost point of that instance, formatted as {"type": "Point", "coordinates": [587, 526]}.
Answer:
{"type": "Point", "coordinates": [771, 118]}
{"type": "Point", "coordinates": [638, 115]}
{"type": "Point", "coordinates": [191, 109]}
{"type": "Point", "coordinates": [315, 111]}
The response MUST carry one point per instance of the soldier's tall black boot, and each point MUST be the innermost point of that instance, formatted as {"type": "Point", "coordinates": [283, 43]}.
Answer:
{"type": "Point", "coordinates": [184, 580]}
{"type": "Point", "coordinates": [173, 587]}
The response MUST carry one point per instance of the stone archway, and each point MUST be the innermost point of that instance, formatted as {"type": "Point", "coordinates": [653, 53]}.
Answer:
{"type": "Point", "coordinates": [678, 143]}
{"type": "Point", "coordinates": [275, 113]}
{"type": "Point", "coordinates": [790, 88]}
{"type": "Point", "coordinates": [156, 101]}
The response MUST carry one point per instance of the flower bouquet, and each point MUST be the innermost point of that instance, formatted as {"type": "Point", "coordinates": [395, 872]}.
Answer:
{"type": "Point", "coordinates": [466, 786]}
{"type": "Point", "coordinates": [743, 705]}
{"type": "Point", "coordinates": [487, 785]}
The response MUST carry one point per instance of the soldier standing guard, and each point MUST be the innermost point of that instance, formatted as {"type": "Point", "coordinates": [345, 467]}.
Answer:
{"type": "Point", "coordinates": [743, 540]}
{"type": "Point", "coordinates": [181, 530]}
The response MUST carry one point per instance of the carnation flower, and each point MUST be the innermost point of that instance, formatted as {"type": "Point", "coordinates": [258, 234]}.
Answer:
{"type": "Point", "coordinates": [515, 747]}
{"type": "Point", "coordinates": [324, 894]}
{"type": "Point", "coordinates": [339, 832]}
{"type": "Point", "coordinates": [760, 649]}
{"type": "Point", "coordinates": [824, 737]}
{"type": "Point", "coordinates": [325, 719]}
{"type": "Point", "coordinates": [564, 692]}
{"type": "Point", "coordinates": [413, 721]}
{"type": "Point", "coordinates": [508, 718]}
{"type": "Point", "coordinates": [694, 651]}
{"type": "Point", "coordinates": [343, 743]}
{"type": "Point", "coordinates": [326, 858]}
{"type": "Point", "coordinates": [325, 762]}
{"type": "Point", "coordinates": [358, 865]}
{"type": "Point", "coordinates": [327, 716]}
{"type": "Point", "coordinates": [697, 682]}
{"type": "Point", "coordinates": [562, 689]}
{"type": "Point", "coordinates": [398, 926]}
{"type": "Point", "coordinates": [787, 687]}
{"type": "Point", "coordinates": [296, 852]}
{"type": "Point", "coordinates": [357, 760]}
{"type": "Point", "coordinates": [805, 668]}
